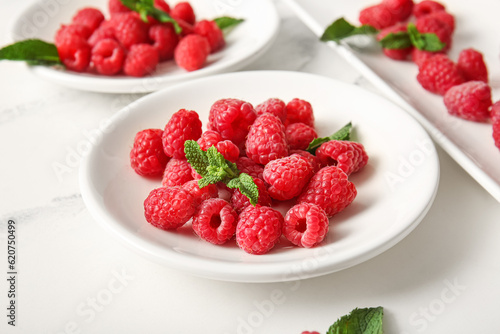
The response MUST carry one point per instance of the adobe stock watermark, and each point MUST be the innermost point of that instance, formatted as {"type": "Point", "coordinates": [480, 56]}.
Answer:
{"type": "Point", "coordinates": [225, 7]}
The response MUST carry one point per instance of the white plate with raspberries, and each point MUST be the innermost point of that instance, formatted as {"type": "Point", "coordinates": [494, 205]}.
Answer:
{"type": "Point", "coordinates": [242, 44]}
{"type": "Point", "coordinates": [395, 189]}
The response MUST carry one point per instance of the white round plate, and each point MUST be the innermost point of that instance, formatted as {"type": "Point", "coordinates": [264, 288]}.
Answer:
{"type": "Point", "coordinates": [395, 189]}
{"type": "Point", "coordinates": [245, 43]}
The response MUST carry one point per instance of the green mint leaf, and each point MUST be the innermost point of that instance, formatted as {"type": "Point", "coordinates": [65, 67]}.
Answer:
{"type": "Point", "coordinates": [146, 8]}
{"type": "Point", "coordinates": [226, 23]}
{"type": "Point", "coordinates": [196, 157]}
{"type": "Point", "coordinates": [427, 41]}
{"type": "Point", "coordinates": [246, 186]}
{"type": "Point", "coordinates": [33, 51]}
{"type": "Point", "coordinates": [341, 29]}
{"type": "Point", "coordinates": [208, 179]}
{"type": "Point", "coordinates": [359, 321]}
{"type": "Point", "coordinates": [342, 134]}
{"type": "Point", "coordinates": [215, 158]}
{"type": "Point", "coordinates": [397, 40]}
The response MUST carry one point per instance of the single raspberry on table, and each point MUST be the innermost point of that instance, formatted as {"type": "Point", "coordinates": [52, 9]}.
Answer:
{"type": "Point", "coordinates": [258, 229]}
{"type": "Point", "coordinates": [470, 100]}
{"type": "Point", "coordinates": [240, 201]}
{"type": "Point", "coordinates": [176, 173]}
{"type": "Point", "coordinates": [396, 54]}
{"type": "Point", "coordinates": [347, 155]}
{"type": "Point", "coordinates": [191, 52]}
{"type": "Point", "coordinates": [211, 31]}
{"type": "Point", "coordinates": [426, 7]}
{"type": "Point", "coordinates": [164, 40]}
{"type": "Point", "coordinates": [147, 157]}
{"type": "Point", "coordinates": [305, 225]}
{"type": "Point", "coordinates": [266, 140]}
{"type": "Point", "coordinates": [201, 194]}
{"type": "Point", "coordinates": [272, 106]}
{"type": "Point", "coordinates": [141, 60]}
{"type": "Point", "coordinates": [130, 29]}
{"type": "Point", "coordinates": [107, 57]}
{"type": "Point", "coordinates": [472, 65]}
{"type": "Point", "coordinates": [74, 52]}
{"type": "Point", "coordinates": [215, 221]}
{"type": "Point", "coordinates": [311, 158]}
{"type": "Point", "coordinates": [183, 11]}
{"type": "Point", "coordinates": [377, 16]}
{"type": "Point", "coordinates": [287, 176]}
{"type": "Point", "coordinates": [399, 9]}
{"type": "Point", "coordinates": [329, 189]}
{"type": "Point", "coordinates": [169, 208]}
{"type": "Point", "coordinates": [438, 73]}
{"type": "Point", "coordinates": [299, 111]}
{"type": "Point", "coordinates": [250, 167]}
{"type": "Point", "coordinates": [299, 135]}
{"type": "Point", "coordinates": [89, 17]}
{"type": "Point", "coordinates": [183, 125]}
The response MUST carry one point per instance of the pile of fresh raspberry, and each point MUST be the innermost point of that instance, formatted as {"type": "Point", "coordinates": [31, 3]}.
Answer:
{"type": "Point", "coordinates": [125, 44]}
{"type": "Point", "coordinates": [268, 143]}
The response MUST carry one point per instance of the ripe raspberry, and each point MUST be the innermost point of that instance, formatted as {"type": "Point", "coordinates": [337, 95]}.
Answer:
{"type": "Point", "coordinates": [183, 11]}
{"type": "Point", "coordinates": [215, 221]}
{"type": "Point", "coordinates": [186, 28]}
{"type": "Point", "coordinates": [305, 225]}
{"type": "Point", "coordinates": [229, 150]}
{"type": "Point", "coordinates": [495, 112]}
{"type": "Point", "coordinates": [378, 16]}
{"type": "Point", "coordinates": [399, 9]}
{"type": "Point", "coordinates": [105, 31]}
{"type": "Point", "coordinates": [396, 54]}
{"type": "Point", "coordinates": [496, 133]}
{"type": "Point", "coordinates": [433, 24]}
{"type": "Point", "coordinates": [169, 208]}
{"type": "Point", "coordinates": [162, 5]}
{"type": "Point", "coordinates": [347, 155]}
{"type": "Point", "coordinates": [273, 106]}
{"type": "Point", "coordinates": [211, 31]}
{"type": "Point", "coordinates": [232, 118]}
{"type": "Point", "coordinates": [130, 29]}
{"type": "Point", "coordinates": [444, 17]}
{"type": "Point", "coordinates": [258, 229]}
{"type": "Point", "coordinates": [420, 56]}
{"type": "Point", "coordinates": [107, 57]}
{"type": "Point", "coordinates": [299, 111]}
{"type": "Point", "coordinates": [250, 167]}
{"type": "Point", "coordinates": [141, 60]}
{"type": "Point", "coordinates": [70, 31]}
{"type": "Point", "coordinates": [209, 138]}
{"type": "Point", "coordinates": [330, 189]}
{"type": "Point", "coordinates": [470, 101]}
{"type": "Point", "coordinates": [191, 53]}
{"type": "Point", "coordinates": [287, 176]}
{"type": "Point", "coordinates": [202, 194]}
{"type": "Point", "coordinates": [299, 135]}
{"type": "Point", "coordinates": [426, 7]}
{"type": "Point", "coordinates": [164, 40]}
{"type": "Point", "coordinates": [240, 201]}
{"type": "Point", "coordinates": [147, 157]}
{"type": "Point", "coordinates": [312, 159]}
{"type": "Point", "coordinates": [266, 140]}
{"type": "Point", "coordinates": [74, 52]}
{"type": "Point", "coordinates": [183, 125]}
{"type": "Point", "coordinates": [116, 6]}
{"type": "Point", "coordinates": [437, 74]}
{"type": "Point", "coordinates": [472, 65]}
{"type": "Point", "coordinates": [89, 17]}
{"type": "Point", "coordinates": [176, 173]}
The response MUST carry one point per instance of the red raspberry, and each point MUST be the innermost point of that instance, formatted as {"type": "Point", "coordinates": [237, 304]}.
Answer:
{"type": "Point", "coordinates": [141, 60]}
{"type": "Point", "coordinates": [208, 139]}
{"type": "Point", "coordinates": [183, 125]}
{"type": "Point", "coordinates": [299, 111]}
{"type": "Point", "coordinates": [229, 150]}
{"type": "Point", "coordinates": [377, 16]}
{"type": "Point", "coordinates": [420, 56]}
{"type": "Point", "coordinates": [258, 229]}
{"type": "Point", "coordinates": [202, 194]}
{"type": "Point", "coordinates": [308, 332]}
{"type": "Point", "coordinates": [330, 189]}
{"type": "Point", "coordinates": [273, 106]}
{"type": "Point", "coordinates": [472, 65]}
{"type": "Point", "coordinates": [105, 31]}
{"type": "Point", "coordinates": [107, 57]}
{"type": "Point", "coordinates": [116, 6]}
{"type": "Point", "coordinates": [211, 31]}
{"type": "Point", "coordinates": [495, 111]}
{"type": "Point", "coordinates": [433, 24]}
{"type": "Point", "coordinates": [130, 29]}
{"type": "Point", "coordinates": [399, 9]}
{"type": "Point", "coordinates": [186, 28]}
{"type": "Point", "coordinates": [306, 225]}
{"type": "Point", "coordinates": [176, 173]}
{"type": "Point", "coordinates": [169, 208]}
{"type": "Point", "coordinates": [240, 201]}
{"type": "Point", "coordinates": [437, 74]}
{"type": "Point", "coordinates": [299, 135]}
{"type": "Point", "coordinates": [396, 54]}
{"type": "Point", "coordinates": [89, 17]}
{"type": "Point", "coordinates": [191, 53]}
{"type": "Point", "coordinates": [470, 101]}
{"type": "Point", "coordinates": [347, 155]}
{"type": "Point", "coordinates": [287, 176]}
{"type": "Point", "coordinates": [312, 159]}
{"type": "Point", "coordinates": [232, 118]}
{"type": "Point", "coordinates": [74, 52]}
{"type": "Point", "coordinates": [496, 133]}
{"type": "Point", "coordinates": [162, 5]}
{"type": "Point", "coordinates": [215, 221]}
{"type": "Point", "coordinates": [183, 11]}
{"type": "Point", "coordinates": [426, 7]}
{"type": "Point", "coordinates": [71, 31]}
{"type": "Point", "coordinates": [147, 157]}
{"type": "Point", "coordinates": [250, 167]}
{"type": "Point", "coordinates": [266, 140]}
{"type": "Point", "coordinates": [444, 17]}
{"type": "Point", "coordinates": [164, 40]}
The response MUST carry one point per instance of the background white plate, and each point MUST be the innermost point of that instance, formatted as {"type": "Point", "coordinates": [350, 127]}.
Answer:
{"type": "Point", "coordinates": [469, 143]}
{"type": "Point", "coordinates": [244, 44]}
{"type": "Point", "coordinates": [395, 189]}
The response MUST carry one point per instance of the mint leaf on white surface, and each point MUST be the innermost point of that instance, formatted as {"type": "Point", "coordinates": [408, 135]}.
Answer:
{"type": "Point", "coordinates": [32, 51]}
{"type": "Point", "coordinates": [359, 321]}
{"type": "Point", "coordinates": [341, 29]}
{"type": "Point", "coordinates": [226, 23]}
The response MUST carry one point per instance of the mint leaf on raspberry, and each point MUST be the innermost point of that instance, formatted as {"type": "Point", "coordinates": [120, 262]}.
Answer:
{"type": "Point", "coordinates": [397, 40]}
{"type": "Point", "coordinates": [146, 8]}
{"type": "Point", "coordinates": [359, 321]}
{"type": "Point", "coordinates": [341, 29]}
{"type": "Point", "coordinates": [226, 23]}
{"type": "Point", "coordinates": [33, 51]}
{"type": "Point", "coordinates": [427, 42]}
{"type": "Point", "coordinates": [245, 184]}
{"type": "Point", "coordinates": [342, 134]}
{"type": "Point", "coordinates": [196, 157]}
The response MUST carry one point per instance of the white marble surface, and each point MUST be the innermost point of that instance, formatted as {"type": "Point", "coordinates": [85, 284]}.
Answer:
{"type": "Point", "coordinates": [74, 278]}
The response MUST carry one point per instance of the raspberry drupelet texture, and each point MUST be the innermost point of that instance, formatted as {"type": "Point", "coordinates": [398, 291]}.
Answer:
{"type": "Point", "coordinates": [141, 60]}
{"type": "Point", "coordinates": [215, 221]}
{"type": "Point", "coordinates": [347, 155]}
{"type": "Point", "coordinates": [183, 125]}
{"type": "Point", "coordinates": [211, 31]}
{"type": "Point", "coordinates": [266, 140]}
{"type": "Point", "coordinates": [105, 31]}
{"type": "Point", "coordinates": [74, 52]}
{"type": "Point", "coordinates": [299, 111]}
{"type": "Point", "coordinates": [432, 24]}
{"type": "Point", "coordinates": [472, 65]}
{"type": "Point", "coordinates": [287, 176]}
{"type": "Point", "coordinates": [426, 7]}
{"type": "Point", "coordinates": [191, 52]}
{"type": "Point", "coordinates": [169, 208]}
{"type": "Point", "coordinates": [329, 189]}
{"type": "Point", "coordinates": [209, 138]}
{"type": "Point", "coordinates": [227, 148]}
{"type": "Point", "coordinates": [164, 40]}
{"type": "Point", "coordinates": [496, 133]}
{"type": "Point", "coordinates": [201, 194]}
{"type": "Point", "coordinates": [250, 167]}
{"type": "Point", "coordinates": [305, 225]}
{"type": "Point", "coordinates": [240, 201]}
{"type": "Point", "coordinates": [312, 159]}
{"type": "Point", "coordinates": [420, 56]}
{"type": "Point", "coordinates": [299, 135]}
{"type": "Point", "coordinates": [399, 9]}
{"type": "Point", "coordinates": [259, 229]}
{"type": "Point", "coordinates": [71, 30]}
{"type": "Point", "coordinates": [438, 73]}
{"type": "Point", "coordinates": [273, 106]}
{"type": "Point", "coordinates": [176, 173]}
{"type": "Point", "coordinates": [147, 157]}
{"type": "Point", "coordinates": [445, 17]}
{"type": "Point", "coordinates": [89, 17]}
{"type": "Point", "coordinates": [107, 57]}
{"type": "Point", "coordinates": [377, 16]}
{"type": "Point", "coordinates": [470, 100]}
{"type": "Point", "coordinates": [116, 6]}
{"type": "Point", "coordinates": [130, 29]}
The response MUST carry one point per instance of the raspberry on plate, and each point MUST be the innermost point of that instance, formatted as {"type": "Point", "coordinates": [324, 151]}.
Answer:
{"type": "Point", "coordinates": [191, 52]}
{"type": "Point", "coordinates": [169, 208]}
{"type": "Point", "coordinates": [399, 9]}
{"type": "Point", "coordinates": [201, 194]}
{"type": "Point", "coordinates": [104, 31]}
{"type": "Point", "coordinates": [266, 140]}
{"type": "Point", "coordinates": [89, 17]}
{"type": "Point", "coordinates": [347, 155]}
{"type": "Point", "coordinates": [130, 29]}
{"type": "Point", "coordinates": [228, 150]}
{"type": "Point", "coordinates": [420, 56]}
{"type": "Point", "coordinates": [107, 57]}
{"type": "Point", "coordinates": [215, 221]}
{"type": "Point", "coordinates": [183, 11]}
{"type": "Point", "coordinates": [141, 60]}
{"type": "Point", "coordinates": [287, 176]}
{"type": "Point", "coordinates": [176, 173]}
{"type": "Point", "coordinates": [305, 225]}
{"type": "Point", "coordinates": [299, 111]}
{"type": "Point", "coordinates": [377, 16]}
{"type": "Point", "coordinates": [299, 135]}
{"type": "Point", "coordinates": [329, 189]}
{"type": "Point", "coordinates": [211, 31]}
{"type": "Point", "coordinates": [147, 157]}
{"type": "Point", "coordinates": [183, 125]}
{"type": "Point", "coordinates": [208, 139]}
{"type": "Point", "coordinates": [162, 5]}
{"type": "Point", "coordinates": [470, 100]}
{"type": "Point", "coordinates": [116, 6]}
{"type": "Point", "coordinates": [240, 201]}
{"type": "Point", "coordinates": [472, 65]}
{"type": "Point", "coordinates": [259, 229]}
{"type": "Point", "coordinates": [273, 106]}
{"type": "Point", "coordinates": [396, 54]}
{"type": "Point", "coordinates": [438, 73]}
{"type": "Point", "coordinates": [426, 7]}
{"type": "Point", "coordinates": [312, 159]}
{"type": "Point", "coordinates": [496, 133]}
{"type": "Point", "coordinates": [69, 31]}
{"type": "Point", "coordinates": [74, 52]}
{"type": "Point", "coordinates": [164, 40]}
{"type": "Point", "coordinates": [433, 24]}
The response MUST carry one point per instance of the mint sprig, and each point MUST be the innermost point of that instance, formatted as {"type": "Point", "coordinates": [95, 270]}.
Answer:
{"type": "Point", "coordinates": [146, 8]}
{"type": "Point", "coordinates": [427, 41]}
{"type": "Point", "coordinates": [33, 51]}
{"type": "Point", "coordinates": [359, 321]}
{"type": "Point", "coordinates": [213, 168]}
{"type": "Point", "coordinates": [226, 23]}
{"type": "Point", "coordinates": [396, 40]}
{"type": "Point", "coordinates": [343, 134]}
{"type": "Point", "coordinates": [341, 29]}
